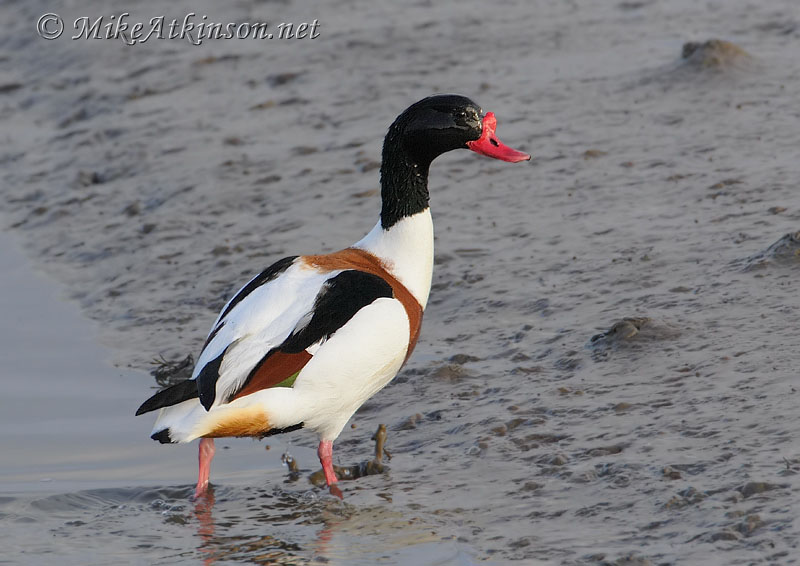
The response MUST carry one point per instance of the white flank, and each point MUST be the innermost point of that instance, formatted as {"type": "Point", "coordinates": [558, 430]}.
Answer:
{"type": "Point", "coordinates": [354, 364]}
{"type": "Point", "coordinates": [346, 370]}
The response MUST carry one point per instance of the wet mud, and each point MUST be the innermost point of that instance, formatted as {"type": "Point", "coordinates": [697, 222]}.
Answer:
{"type": "Point", "coordinates": [659, 215]}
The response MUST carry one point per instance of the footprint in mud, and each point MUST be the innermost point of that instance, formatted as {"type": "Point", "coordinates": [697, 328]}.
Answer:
{"type": "Point", "coordinates": [786, 251]}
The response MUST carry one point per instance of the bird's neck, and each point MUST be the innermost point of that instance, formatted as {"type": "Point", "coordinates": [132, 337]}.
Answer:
{"type": "Point", "coordinates": [403, 238]}
{"type": "Point", "coordinates": [404, 179]}
{"type": "Point", "coordinates": [406, 248]}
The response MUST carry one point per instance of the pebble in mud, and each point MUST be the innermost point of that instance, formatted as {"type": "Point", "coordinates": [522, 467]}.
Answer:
{"type": "Point", "coordinates": [462, 359]}
{"type": "Point", "coordinates": [671, 473]}
{"type": "Point", "coordinates": [685, 498]}
{"type": "Point", "coordinates": [714, 53]}
{"type": "Point", "coordinates": [450, 372]}
{"type": "Point", "coordinates": [594, 153]}
{"type": "Point", "coordinates": [756, 487]}
{"type": "Point", "coordinates": [623, 329]}
{"type": "Point", "coordinates": [620, 331]}
{"type": "Point", "coordinates": [557, 460]}
{"type": "Point", "coordinates": [410, 423]}
{"type": "Point", "coordinates": [785, 251]}
{"type": "Point", "coordinates": [750, 524]}
{"type": "Point", "coordinates": [631, 333]}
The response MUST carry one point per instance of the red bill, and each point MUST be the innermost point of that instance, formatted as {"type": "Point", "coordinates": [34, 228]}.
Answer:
{"type": "Point", "coordinates": [490, 146]}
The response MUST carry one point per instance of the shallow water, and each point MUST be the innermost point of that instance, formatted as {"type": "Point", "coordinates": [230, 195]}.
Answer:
{"type": "Point", "coordinates": [151, 181]}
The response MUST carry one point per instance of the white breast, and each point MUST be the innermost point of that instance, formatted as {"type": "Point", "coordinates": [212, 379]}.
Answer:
{"type": "Point", "coordinates": [407, 250]}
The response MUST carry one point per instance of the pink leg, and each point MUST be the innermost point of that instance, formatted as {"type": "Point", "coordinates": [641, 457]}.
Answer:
{"type": "Point", "coordinates": [205, 455]}
{"type": "Point", "coordinates": [325, 453]}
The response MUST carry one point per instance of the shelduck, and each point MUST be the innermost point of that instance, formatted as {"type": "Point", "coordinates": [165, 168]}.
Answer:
{"type": "Point", "coordinates": [308, 340]}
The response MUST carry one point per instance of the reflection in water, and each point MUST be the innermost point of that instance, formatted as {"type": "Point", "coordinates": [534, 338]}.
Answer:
{"type": "Point", "coordinates": [217, 543]}
{"type": "Point", "coordinates": [232, 526]}
{"type": "Point", "coordinates": [308, 509]}
{"type": "Point", "coordinates": [224, 546]}
{"type": "Point", "coordinates": [203, 507]}
{"type": "Point", "coordinates": [286, 524]}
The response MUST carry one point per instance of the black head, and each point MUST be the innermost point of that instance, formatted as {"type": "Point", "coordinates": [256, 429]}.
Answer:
{"type": "Point", "coordinates": [435, 125]}
{"type": "Point", "coordinates": [427, 129]}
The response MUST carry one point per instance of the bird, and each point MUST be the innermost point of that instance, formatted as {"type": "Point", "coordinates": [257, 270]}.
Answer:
{"type": "Point", "coordinates": [308, 340]}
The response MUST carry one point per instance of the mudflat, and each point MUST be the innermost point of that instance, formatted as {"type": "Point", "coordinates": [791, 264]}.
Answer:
{"type": "Point", "coordinates": [608, 366]}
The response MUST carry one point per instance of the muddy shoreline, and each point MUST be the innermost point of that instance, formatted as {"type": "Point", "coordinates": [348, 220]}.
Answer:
{"type": "Point", "coordinates": [608, 368]}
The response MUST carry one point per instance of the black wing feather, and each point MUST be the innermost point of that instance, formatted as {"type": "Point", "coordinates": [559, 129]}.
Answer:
{"type": "Point", "coordinates": [338, 301]}
{"type": "Point", "coordinates": [173, 395]}
{"type": "Point", "coordinates": [206, 381]}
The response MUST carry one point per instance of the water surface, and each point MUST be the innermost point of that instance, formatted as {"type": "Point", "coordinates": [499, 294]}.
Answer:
{"type": "Point", "coordinates": [151, 182]}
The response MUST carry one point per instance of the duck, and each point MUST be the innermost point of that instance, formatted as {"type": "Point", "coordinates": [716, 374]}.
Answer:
{"type": "Point", "coordinates": [308, 340]}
